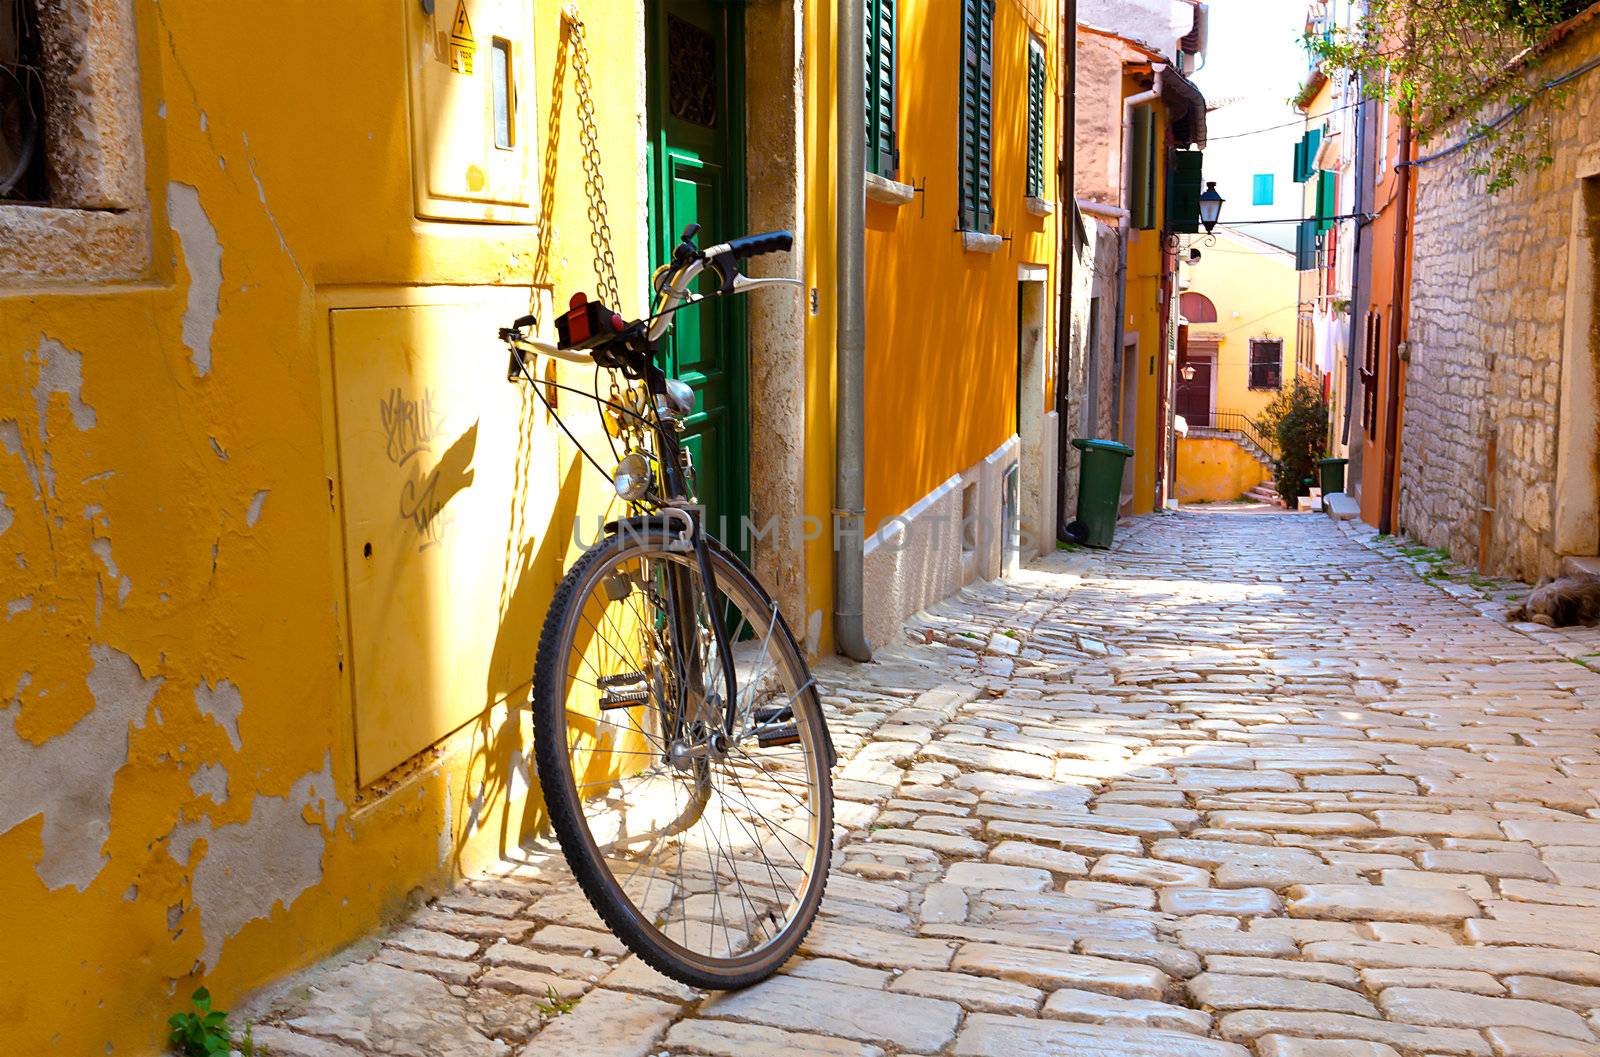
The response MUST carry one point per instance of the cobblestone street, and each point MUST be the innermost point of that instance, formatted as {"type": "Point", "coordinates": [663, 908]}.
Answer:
{"type": "Point", "coordinates": [1246, 784]}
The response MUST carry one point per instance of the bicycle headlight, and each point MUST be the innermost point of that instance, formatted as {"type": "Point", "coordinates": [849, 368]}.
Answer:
{"type": "Point", "coordinates": [632, 476]}
{"type": "Point", "coordinates": [680, 396]}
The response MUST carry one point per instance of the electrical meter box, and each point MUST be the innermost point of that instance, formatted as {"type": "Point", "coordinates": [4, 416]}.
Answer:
{"type": "Point", "coordinates": [472, 113]}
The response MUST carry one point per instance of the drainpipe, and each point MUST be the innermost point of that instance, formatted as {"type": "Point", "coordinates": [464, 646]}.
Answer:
{"type": "Point", "coordinates": [1124, 221]}
{"type": "Point", "coordinates": [1066, 192]}
{"type": "Point", "coordinates": [849, 487]}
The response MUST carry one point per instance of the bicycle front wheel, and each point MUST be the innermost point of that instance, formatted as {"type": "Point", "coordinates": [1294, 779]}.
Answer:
{"type": "Point", "coordinates": [704, 848]}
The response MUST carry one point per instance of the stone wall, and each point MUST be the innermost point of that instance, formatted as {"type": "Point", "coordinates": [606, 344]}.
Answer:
{"type": "Point", "coordinates": [1488, 306]}
{"type": "Point", "coordinates": [1093, 275]}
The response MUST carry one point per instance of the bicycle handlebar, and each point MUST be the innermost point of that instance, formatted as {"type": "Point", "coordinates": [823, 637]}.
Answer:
{"type": "Point", "coordinates": [755, 245]}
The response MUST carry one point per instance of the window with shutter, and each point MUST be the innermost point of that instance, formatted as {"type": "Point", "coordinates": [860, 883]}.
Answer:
{"type": "Point", "coordinates": [1305, 246]}
{"type": "Point", "coordinates": [1327, 199]}
{"type": "Point", "coordinates": [1183, 192]}
{"type": "Point", "coordinates": [1261, 189]}
{"type": "Point", "coordinates": [1036, 89]}
{"type": "Point", "coordinates": [1141, 206]}
{"type": "Point", "coordinates": [977, 122]}
{"type": "Point", "coordinates": [883, 152]}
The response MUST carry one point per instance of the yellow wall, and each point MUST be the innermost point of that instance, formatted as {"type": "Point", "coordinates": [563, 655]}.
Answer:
{"type": "Point", "coordinates": [1145, 317]}
{"type": "Point", "coordinates": [1215, 470]}
{"type": "Point", "coordinates": [942, 322]}
{"type": "Point", "coordinates": [175, 540]}
{"type": "Point", "coordinates": [1255, 289]}
{"type": "Point", "coordinates": [821, 133]}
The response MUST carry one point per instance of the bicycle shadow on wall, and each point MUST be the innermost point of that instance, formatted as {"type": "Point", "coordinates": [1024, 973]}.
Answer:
{"type": "Point", "coordinates": [499, 768]}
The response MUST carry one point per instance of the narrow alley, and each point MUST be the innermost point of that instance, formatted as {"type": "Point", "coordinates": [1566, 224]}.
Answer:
{"type": "Point", "coordinates": [1245, 784]}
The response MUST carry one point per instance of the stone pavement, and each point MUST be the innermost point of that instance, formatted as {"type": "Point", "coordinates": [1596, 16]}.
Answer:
{"type": "Point", "coordinates": [1244, 785]}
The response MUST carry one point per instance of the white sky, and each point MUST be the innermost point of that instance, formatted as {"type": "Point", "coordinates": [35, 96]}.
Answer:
{"type": "Point", "coordinates": [1253, 49]}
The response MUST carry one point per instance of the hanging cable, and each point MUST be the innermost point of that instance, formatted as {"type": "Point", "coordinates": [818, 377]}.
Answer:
{"type": "Point", "coordinates": [1555, 82]}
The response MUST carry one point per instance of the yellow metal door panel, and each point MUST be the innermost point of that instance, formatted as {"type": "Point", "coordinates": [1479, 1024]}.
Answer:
{"type": "Point", "coordinates": [472, 107]}
{"type": "Point", "coordinates": [448, 480]}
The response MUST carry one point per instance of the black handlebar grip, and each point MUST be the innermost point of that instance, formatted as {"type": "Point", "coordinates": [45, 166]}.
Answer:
{"type": "Point", "coordinates": [766, 242]}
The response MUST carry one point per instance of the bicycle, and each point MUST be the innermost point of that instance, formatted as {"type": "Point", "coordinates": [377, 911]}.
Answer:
{"type": "Point", "coordinates": [679, 738]}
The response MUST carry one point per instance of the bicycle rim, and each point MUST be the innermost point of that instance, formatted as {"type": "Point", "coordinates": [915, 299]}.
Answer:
{"type": "Point", "coordinates": [707, 859]}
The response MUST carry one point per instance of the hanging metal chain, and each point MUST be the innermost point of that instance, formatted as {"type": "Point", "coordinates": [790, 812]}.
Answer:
{"type": "Point", "coordinates": [594, 184]}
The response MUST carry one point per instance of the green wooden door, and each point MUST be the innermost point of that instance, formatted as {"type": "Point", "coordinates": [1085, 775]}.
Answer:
{"type": "Point", "coordinates": [696, 88]}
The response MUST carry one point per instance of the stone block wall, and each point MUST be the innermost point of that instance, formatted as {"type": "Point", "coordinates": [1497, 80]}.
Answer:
{"type": "Point", "coordinates": [1488, 305]}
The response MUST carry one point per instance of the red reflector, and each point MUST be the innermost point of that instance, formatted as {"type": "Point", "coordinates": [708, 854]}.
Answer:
{"type": "Point", "coordinates": [617, 323]}
{"type": "Point", "coordinates": [579, 299]}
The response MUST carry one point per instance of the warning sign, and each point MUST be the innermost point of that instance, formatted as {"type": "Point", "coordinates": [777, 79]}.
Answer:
{"type": "Point", "coordinates": [462, 46]}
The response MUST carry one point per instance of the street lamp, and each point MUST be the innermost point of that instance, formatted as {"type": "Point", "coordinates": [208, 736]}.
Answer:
{"type": "Point", "coordinates": [1210, 206]}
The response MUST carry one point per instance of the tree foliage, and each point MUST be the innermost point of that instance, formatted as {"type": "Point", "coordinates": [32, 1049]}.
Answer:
{"type": "Point", "coordinates": [1297, 420]}
{"type": "Point", "coordinates": [1452, 66]}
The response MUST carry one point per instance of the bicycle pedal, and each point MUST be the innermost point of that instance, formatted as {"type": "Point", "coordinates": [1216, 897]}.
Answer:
{"type": "Point", "coordinates": [624, 698]}
{"type": "Point", "coordinates": [788, 734]}
{"type": "Point", "coordinates": [774, 714]}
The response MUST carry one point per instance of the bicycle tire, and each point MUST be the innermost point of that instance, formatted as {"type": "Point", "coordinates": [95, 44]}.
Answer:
{"type": "Point", "coordinates": [570, 811]}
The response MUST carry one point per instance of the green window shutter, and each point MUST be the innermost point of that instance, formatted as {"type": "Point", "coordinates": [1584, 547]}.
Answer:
{"type": "Point", "coordinates": [977, 115]}
{"type": "Point", "coordinates": [1261, 189]}
{"type": "Point", "coordinates": [1305, 246]}
{"type": "Point", "coordinates": [1036, 89]}
{"type": "Point", "coordinates": [1139, 169]}
{"type": "Point", "coordinates": [1313, 144]}
{"type": "Point", "coordinates": [1183, 192]}
{"type": "Point", "coordinates": [883, 154]}
{"type": "Point", "coordinates": [1327, 199]}
{"type": "Point", "coordinates": [1300, 161]}
{"type": "Point", "coordinates": [1152, 174]}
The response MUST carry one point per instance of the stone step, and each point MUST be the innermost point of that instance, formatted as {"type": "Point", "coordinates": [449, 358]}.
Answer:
{"type": "Point", "coordinates": [1580, 565]}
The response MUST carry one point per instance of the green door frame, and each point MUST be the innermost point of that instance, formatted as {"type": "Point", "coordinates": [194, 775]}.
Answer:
{"type": "Point", "coordinates": [733, 502]}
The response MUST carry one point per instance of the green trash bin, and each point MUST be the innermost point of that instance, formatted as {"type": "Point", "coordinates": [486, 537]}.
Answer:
{"type": "Point", "coordinates": [1099, 490]}
{"type": "Point", "coordinates": [1332, 475]}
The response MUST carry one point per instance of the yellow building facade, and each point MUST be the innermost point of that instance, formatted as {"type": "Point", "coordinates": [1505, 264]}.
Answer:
{"type": "Point", "coordinates": [1239, 341]}
{"type": "Point", "coordinates": [278, 534]}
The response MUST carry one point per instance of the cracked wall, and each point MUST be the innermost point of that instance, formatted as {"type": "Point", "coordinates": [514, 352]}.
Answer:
{"type": "Point", "coordinates": [178, 793]}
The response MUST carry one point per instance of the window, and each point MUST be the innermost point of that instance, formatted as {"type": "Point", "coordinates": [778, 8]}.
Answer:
{"type": "Point", "coordinates": [1327, 199]}
{"type": "Point", "coordinates": [1369, 374]}
{"type": "Point", "coordinates": [72, 174]}
{"type": "Point", "coordinates": [883, 153]}
{"type": "Point", "coordinates": [1266, 363]}
{"type": "Point", "coordinates": [977, 121]}
{"type": "Point", "coordinates": [1183, 192]}
{"type": "Point", "coordinates": [22, 168]}
{"type": "Point", "coordinates": [1197, 307]}
{"type": "Point", "coordinates": [1036, 89]}
{"type": "Point", "coordinates": [1261, 189]}
{"type": "Point", "coordinates": [1146, 136]}
{"type": "Point", "coordinates": [1305, 155]}
{"type": "Point", "coordinates": [1305, 246]}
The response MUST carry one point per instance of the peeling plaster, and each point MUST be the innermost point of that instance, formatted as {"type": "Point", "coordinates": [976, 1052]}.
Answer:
{"type": "Point", "coordinates": [7, 515]}
{"type": "Point", "coordinates": [61, 371]}
{"type": "Point", "coordinates": [11, 441]}
{"type": "Point", "coordinates": [221, 454]}
{"type": "Point", "coordinates": [211, 781]}
{"type": "Point", "coordinates": [17, 606]}
{"type": "Point", "coordinates": [102, 549]}
{"type": "Point", "coordinates": [222, 702]}
{"type": "Point", "coordinates": [252, 867]}
{"type": "Point", "coordinates": [202, 252]}
{"type": "Point", "coordinates": [69, 778]}
{"type": "Point", "coordinates": [251, 516]}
